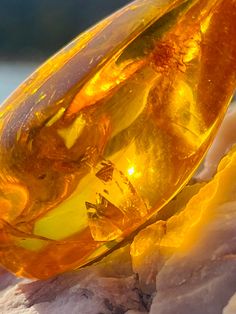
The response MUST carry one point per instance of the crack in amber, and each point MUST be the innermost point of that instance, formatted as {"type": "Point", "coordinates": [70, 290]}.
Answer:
{"type": "Point", "coordinates": [110, 129]}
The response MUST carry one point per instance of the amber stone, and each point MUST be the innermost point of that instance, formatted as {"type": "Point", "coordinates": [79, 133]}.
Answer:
{"type": "Point", "coordinates": [108, 130]}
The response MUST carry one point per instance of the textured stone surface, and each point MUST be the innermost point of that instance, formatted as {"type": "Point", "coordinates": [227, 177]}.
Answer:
{"type": "Point", "coordinates": [224, 140]}
{"type": "Point", "coordinates": [231, 306]}
{"type": "Point", "coordinates": [204, 279]}
{"type": "Point", "coordinates": [73, 294]}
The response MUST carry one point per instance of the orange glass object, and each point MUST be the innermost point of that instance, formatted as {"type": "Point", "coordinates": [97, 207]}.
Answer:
{"type": "Point", "coordinates": [106, 132]}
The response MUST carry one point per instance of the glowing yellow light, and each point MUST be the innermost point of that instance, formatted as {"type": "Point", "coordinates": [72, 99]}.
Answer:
{"type": "Point", "coordinates": [131, 171]}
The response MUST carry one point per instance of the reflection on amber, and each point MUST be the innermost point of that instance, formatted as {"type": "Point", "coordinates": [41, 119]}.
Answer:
{"type": "Point", "coordinates": [105, 133]}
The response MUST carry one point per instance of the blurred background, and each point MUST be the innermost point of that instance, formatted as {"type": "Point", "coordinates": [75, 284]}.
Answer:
{"type": "Point", "coordinates": [32, 30]}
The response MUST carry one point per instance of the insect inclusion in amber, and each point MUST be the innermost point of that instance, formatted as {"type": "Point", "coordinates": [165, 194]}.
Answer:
{"type": "Point", "coordinates": [106, 132]}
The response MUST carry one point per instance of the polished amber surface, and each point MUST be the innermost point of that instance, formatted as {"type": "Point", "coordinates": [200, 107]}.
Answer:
{"type": "Point", "coordinates": [107, 131]}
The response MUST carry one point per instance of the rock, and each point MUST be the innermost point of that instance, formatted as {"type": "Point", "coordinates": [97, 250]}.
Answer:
{"type": "Point", "coordinates": [223, 142]}
{"type": "Point", "coordinates": [107, 287]}
{"type": "Point", "coordinates": [204, 279]}
{"type": "Point", "coordinates": [135, 312]}
{"type": "Point", "coordinates": [7, 281]}
{"type": "Point", "coordinates": [231, 306]}
{"type": "Point", "coordinates": [148, 256]}
{"type": "Point", "coordinates": [83, 292]}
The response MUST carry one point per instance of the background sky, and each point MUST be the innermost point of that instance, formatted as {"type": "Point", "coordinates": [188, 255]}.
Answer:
{"type": "Point", "coordinates": [32, 29]}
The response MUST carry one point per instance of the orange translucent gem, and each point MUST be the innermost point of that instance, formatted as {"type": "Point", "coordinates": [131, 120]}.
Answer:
{"type": "Point", "coordinates": [106, 132]}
